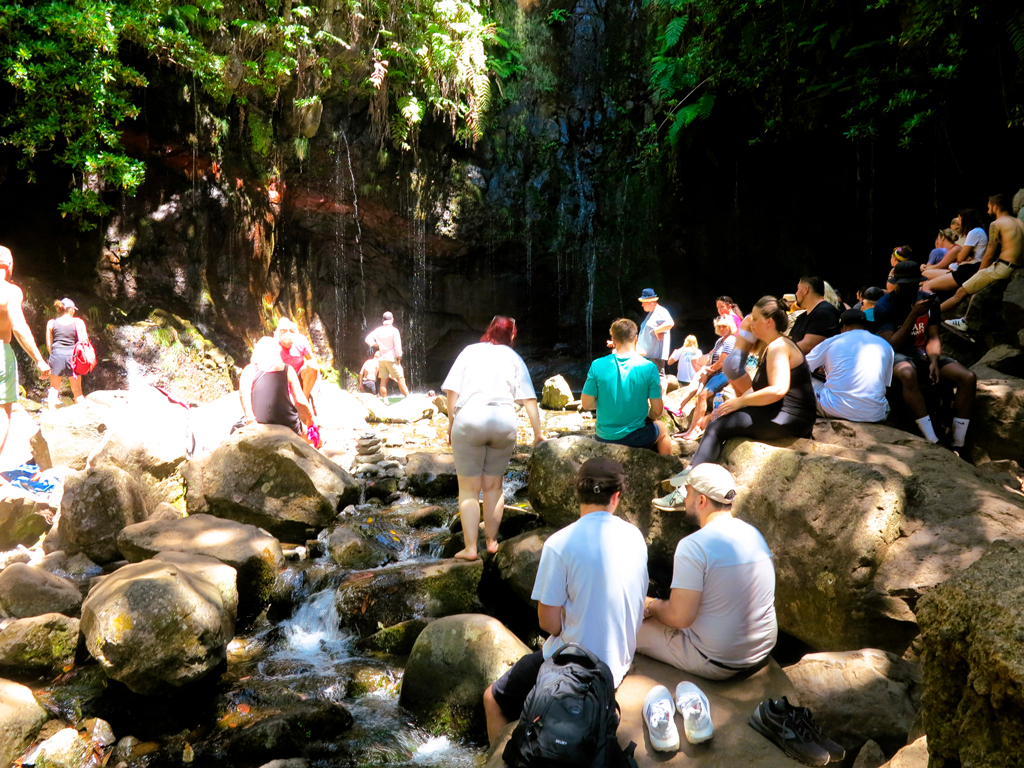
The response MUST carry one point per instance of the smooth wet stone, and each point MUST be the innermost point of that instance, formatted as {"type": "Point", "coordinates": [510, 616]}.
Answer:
{"type": "Point", "coordinates": [27, 590]}
{"type": "Point", "coordinates": [432, 516]}
{"type": "Point", "coordinates": [65, 749]}
{"type": "Point", "coordinates": [432, 475]}
{"type": "Point", "coordinates": [398, 639]}
{"type": "Point", "coordinates": [351, 550]}
{"type": "Point", "coordinates": [307, 727]}
{"type": "Point", "coordinates": [21, 718]}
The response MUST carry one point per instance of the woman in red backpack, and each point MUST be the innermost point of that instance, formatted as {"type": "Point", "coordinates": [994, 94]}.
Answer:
{"type": "Point", "coordinates": [62, 333]}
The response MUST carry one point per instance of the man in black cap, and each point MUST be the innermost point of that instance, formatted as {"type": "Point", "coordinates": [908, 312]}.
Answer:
{"type": "Point", "coordinates": [909, 320]}
{"type": "Point", "coordinates": [858, 370]}
{"type": "Point", "coordinates": [590, 590]}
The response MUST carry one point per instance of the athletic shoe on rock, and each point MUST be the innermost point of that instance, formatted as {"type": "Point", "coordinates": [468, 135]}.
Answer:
{"type": "Point", "coordinates": [836, 752]}
{"type": "Point", "coordinates": [659, 715]}
{"type": "Point", "coordinates": [674, 501]}
{"type": "Point", "coordinates": [678, 481]}
{"type": "Point", "coordinates": [777, 722]}
{"type": "Point", "coordinates": [693, 705]}
{"type": "Point", "coordinates": [959, 325]}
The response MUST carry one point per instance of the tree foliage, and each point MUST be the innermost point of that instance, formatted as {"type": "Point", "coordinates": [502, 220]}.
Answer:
{"type": "Point", "coordinates": [70, 86]}
{"type": "Point", "coordinates": [869, 68]}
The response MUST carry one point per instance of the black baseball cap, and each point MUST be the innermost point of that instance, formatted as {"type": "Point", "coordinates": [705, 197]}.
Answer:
{"type": "Point", "coordinates": [907, 273]}
{"type": "Point", "coordinates": [601, 475]}
{"type": "Point", "coordinates": [853, 317]}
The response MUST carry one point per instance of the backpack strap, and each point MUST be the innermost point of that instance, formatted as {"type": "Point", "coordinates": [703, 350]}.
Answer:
{"type": "Point", "coordinates": [627, 755]}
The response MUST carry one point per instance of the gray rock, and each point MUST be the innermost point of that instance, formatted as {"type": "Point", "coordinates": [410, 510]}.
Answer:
{"type": "Point", "coordinates": [44, 643]}
{"type": "Point", "coordinates": [451, 664]}
{"type": "Point", "coordinates": [371, 600]}
{"type": "Point", "coordinates": [557, 393]}
{"type": "Point", "coordinates": [156, 625]}
{"type": "Point", "coordinates": [432, 474]}
{"type": "Point", "coordinates": [23, 518]}
{"type": "Point", "coordinates": [67, 436]}
{"type": "Point", "coordinates": [350, 550]}
{"type": "Point", "coordinates": [916, 756]}
{"type": "Point", "coordinates": [221, 575]}
{"type": "Point", "coordinates": [96, 505]}
{"type": "Point", "coordinates": [65, 749]}
{"type": "Point", "coordinates": [553, 469]}
{"type": "Point", "coordinates": [973, 662]}
{"type": "Point", "coordinates": [398, 639]}
{"type": "Point", "coordinates": [870, 756]}
{"type": "Point", "coordinates": [166, 511]}
{"type": "Point", "coordinates": [293, 732]}
{"type": "Point", "coordinates": [998, 422]}
{"type": "Point", "coordinates": [857, 696]}
{"type": "Point", "coordinates": [428, 517]}
{"type": "Point", "coordinates": [21, 717]}
{"type": "Point", "coordinates": [269, 477]}
{"type": "Point", "coordinates": [98, 731]}
{"type": "Point", "coordinates": [28, 591]}
{"type": "Point", "coordinates": [253, 553]}
{"type": "Point", "coordinates": [518, 559]}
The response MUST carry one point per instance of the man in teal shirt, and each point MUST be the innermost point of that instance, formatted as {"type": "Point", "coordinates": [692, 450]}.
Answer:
{"type": "Point", "coordinates": [625, 389]}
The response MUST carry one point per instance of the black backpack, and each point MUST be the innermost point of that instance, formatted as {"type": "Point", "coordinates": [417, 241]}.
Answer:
{"type": "Point", "coordinates": [570, 717]}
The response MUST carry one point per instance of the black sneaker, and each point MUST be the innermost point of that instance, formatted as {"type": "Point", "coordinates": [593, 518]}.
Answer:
{"type": "Point", "coordinates": [836, 751]}
{"type": "Point", "coordinates": [779, 723]}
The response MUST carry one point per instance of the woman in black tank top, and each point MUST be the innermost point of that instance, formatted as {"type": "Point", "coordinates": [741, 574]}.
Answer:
{"type": "Point", "coordinates": [62, 334]}
{"type": "Point", "coordinates": [781, 401]}
{"type": "Point", "coordinates": [271, 390]}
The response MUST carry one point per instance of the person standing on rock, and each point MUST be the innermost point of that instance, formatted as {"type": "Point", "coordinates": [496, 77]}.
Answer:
{"type": "Point", "coordinates": [590, 589]}
{"type": "Point", "coordinates": [653, 342]}
{"type": "Point", "coordinates": [297, 352]}
{"type": "Point", "coordinates": [12, 323]}
{"type": "Point", "coordinates": [389, 341]}
{"type": "Point", "coordinates": [62, 333]}
{"type": "Point", "coordinates": [485, 382]}
{"type": "Point", "coordinates": [625, 391]}
{"type": "Point", "coordinates": [719, 619]}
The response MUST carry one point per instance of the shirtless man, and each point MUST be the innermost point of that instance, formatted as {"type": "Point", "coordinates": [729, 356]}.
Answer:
{"type": "Point", "coordinates": [12, 322]}
{"type": "Point", "coordinates": [1005, 237]}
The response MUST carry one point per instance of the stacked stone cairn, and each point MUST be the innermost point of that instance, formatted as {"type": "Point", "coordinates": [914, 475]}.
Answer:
{"type": "Point", "coordinates": [370, 458]}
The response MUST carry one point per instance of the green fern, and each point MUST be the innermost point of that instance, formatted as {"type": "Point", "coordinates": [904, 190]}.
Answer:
{"type": "Point", "coordinates": [1015, 27]}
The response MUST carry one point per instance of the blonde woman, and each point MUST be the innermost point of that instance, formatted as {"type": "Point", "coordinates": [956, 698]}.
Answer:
{"type": "Point", "coordinates": [62, 333]}
{"type": "Point", "coordinates": [686, 356]}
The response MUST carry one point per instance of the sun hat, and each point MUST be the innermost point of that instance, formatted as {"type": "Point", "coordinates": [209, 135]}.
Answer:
{"type": "Point", "coordinates": [713, 481]}
{"type": "Point", "coordinates": [907, 273]}
{"type": "Point", "coordinates": [648, 294]}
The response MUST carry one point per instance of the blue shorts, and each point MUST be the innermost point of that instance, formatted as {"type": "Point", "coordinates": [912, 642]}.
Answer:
{"type": "Point", "coordinates": [716, 383]}
{"type": "Point", "coordinates": [644, 437]}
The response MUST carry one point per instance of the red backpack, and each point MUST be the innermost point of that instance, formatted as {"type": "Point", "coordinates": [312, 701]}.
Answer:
{"type": "Point", "coordinates": [83, 357]}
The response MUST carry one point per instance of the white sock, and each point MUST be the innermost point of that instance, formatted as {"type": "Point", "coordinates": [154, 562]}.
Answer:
{"type": "Point", "coordinates": [960, 432]}
{"type": "Point", "coordinates": [52, 396]}
{"type": "Point", "coordinates": [925, 425]}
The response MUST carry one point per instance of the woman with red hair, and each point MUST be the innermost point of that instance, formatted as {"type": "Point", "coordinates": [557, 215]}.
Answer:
{"type": "Point", "coordinates": [485, 382]}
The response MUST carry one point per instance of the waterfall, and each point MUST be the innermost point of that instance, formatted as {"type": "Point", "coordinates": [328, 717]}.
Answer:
{"type": "Point", "coordinates": [339, 268]}
{"type": "Point", "coordinates": [420, 282]}
{"type": "Point", "coordinates": [314, 632]}
{"type": "Point", "coordinates": [359, 226]}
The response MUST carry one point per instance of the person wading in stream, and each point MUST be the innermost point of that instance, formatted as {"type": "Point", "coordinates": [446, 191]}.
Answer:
{"type": "Point", "coordinates": [485, 382]}
{"type": "Point", "coordinates": [12, 323]}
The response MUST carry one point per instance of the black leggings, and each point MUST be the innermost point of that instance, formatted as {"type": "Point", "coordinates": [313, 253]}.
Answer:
{"type": "Point", "coordinates": [759, 422]}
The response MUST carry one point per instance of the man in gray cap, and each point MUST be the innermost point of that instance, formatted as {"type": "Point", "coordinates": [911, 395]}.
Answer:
{"type": "Point", "coordinates": [720, 617]}
{"type": "Point", "coordinates": [389, 341]}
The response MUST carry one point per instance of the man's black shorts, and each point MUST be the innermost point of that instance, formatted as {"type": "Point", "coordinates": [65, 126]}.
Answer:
{"type": "Point", "coordinates": [511, 689]}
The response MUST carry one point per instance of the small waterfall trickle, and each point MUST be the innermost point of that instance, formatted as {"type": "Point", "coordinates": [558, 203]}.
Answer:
{"type": "Point", "coordinates": [359, 226]}
{"type": "Point", "coordinates": [314, 633]}
{"type": "Point", "coordinates": [420, 282]}
{"type": "Point", "coordinates": [339, 265]}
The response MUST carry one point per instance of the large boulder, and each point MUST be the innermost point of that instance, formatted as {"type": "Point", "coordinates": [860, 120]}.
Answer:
{"type": "Point", "coordinates": [254, 554]}
{"type": "Point", "coordinates": [306, 728]}
{"type": "Point", "coordinates": [518, 559]}
{"type": "Point", "coordinates": [973, 660]}
{"type": "Point", "coordinates": [553, 469]}
{"type": "Point", "coordinates": [915, 755]}
{"type": "Point", "coordinates": [96, 505]}
{"type": "Point", "coordinates": [405, 411]}
{"type": "Point", "coordinates": [23, 518]}
{"type": "Point", "coordinates": [371, 600]}
{"type": "Point", "coordinates": [451, 664]}
{"type": "Point", "coordinates": [21, 718]}
{"type": "Point", "coordinates": [29, 591]}
{"type": "Point", "coordinates": [221, 575]}
{"type": "Point", "coordinates": [863, 520]}
{"type": "Point", "coordinates": [557, 393]}
{"type": "Point", "coordinates": [998, 420]}
{"type": "Point", "coordinates": [266, 475]}
{"type": "Point", "coordinates": [67, 436]}
{"type": "Point", "coordinates": [156, 626]}
{"type": "Point", "coordinates": [859, 695]}
{"type": "Point", "coordinates": [432, 474]}
{"type": "Point", "coordinates": [149, 441]}
{"type": "Point", "coordinates": [43, 643]}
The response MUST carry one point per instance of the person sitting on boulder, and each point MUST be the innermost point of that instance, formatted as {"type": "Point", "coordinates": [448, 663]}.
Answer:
{"type": "Point", "coordinates": [590, 589]}
{"type": "Point", "coordinates": [719, 619]}
{"type": "Point", "coordinates": [909, 320]}
{"type": "Point", "coordinates": [368, 373]}
{"type": "Point", "coordinates": [820, 319]}
{"type": "Point", "coordinates": [711, 376]}
{"type": "Point", "coordinates": [271, 391]}
{"type": "Point", "coordinates": [297, 352]}
{"type": "Point", "coordinates": [687, 357]}
{"type": "Point", "coordinates": [872, 296]}
{"type": "Point", "coordinates": [625, 389]}
{"type": "Point", "coordinates": [858, 369]}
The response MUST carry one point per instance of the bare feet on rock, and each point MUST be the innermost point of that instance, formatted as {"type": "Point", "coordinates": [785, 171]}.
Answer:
{"type": "Point", "coordinates": [492, 546]}
{"type": "Point", "coordinates": [465, 554]}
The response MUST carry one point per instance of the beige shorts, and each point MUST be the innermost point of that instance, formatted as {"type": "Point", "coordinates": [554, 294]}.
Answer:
{"type": "Point", "coordinates": [389, 369]}
{"type": "Point", "coordinates": [483, 440]}
{"type": "Point", "coordinates": [993, 273]}
{"type": "Point", "coordinates": [674, 647]}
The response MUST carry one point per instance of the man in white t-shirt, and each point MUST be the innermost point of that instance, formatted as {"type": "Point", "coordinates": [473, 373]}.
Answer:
{"type": "Point", "coordinates": [654, 341]}
{"type": "Point", "coordinates": [590, 589]}
{"type": "Point", "coordinates": [389, 341]}
{"type": "Point", "coordinates": [720, 617]}
{"type": "Point", "coordinates": [858, 370]}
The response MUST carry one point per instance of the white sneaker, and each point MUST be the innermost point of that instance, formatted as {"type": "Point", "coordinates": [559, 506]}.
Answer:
{"type": "Point", "coordinates": [958, 324]}
{"type": "Point", "coordinates": [693, 705]}
{"type": "Point", "coordinates": [659, 715]}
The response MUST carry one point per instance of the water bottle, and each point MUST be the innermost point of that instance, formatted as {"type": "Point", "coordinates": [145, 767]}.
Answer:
{"type": "Point", "coordinates": [719, 399]}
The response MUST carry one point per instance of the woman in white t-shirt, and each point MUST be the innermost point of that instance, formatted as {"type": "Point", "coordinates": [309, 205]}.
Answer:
{"type": "Point", "coordinates": [973, 243]}
{"type": "Point", "coordinates": [485, 382]}
{"type": "Point", "coordinates": [685, 356]}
